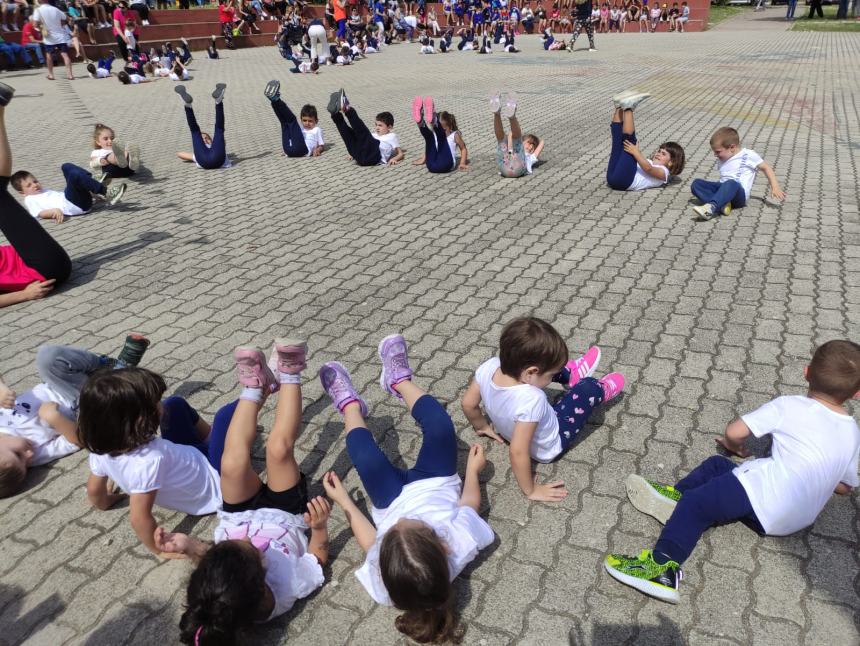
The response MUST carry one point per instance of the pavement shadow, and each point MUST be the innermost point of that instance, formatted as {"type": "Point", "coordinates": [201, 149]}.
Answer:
{"type": "Point", "coordinates": [236, 160]}
{"type": "Point", "coordinates": [86, 268]}
{"type": "Point", "coordinates": [666, 633]}
{"type": "Point", "coordinates": [188, 388]}
{"type": "Point", "coordinates": [35, 476]}
{"type": "Point", "coordinates": [140, 624]}
{"type": "Point", "coordinates": [17, 627]}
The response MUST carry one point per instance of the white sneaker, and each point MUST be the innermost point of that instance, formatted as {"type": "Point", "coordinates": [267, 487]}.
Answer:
{"type": "Point", "coordinates": [632, 101]}
{"type": "Point", "coordinates": [5, 28]}
{"type": "Point", "coordinates": [705, 211]}
{"type": "Point", "coordinates": [145, 23]}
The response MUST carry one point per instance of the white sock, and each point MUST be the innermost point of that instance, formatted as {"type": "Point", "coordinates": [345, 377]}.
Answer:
{"type": "Point", "coordinates": [284, 378]}
{"type": "Point", "coordinates": [252, 394]}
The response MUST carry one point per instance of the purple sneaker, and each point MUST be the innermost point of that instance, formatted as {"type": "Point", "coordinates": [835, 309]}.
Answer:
{"type": "Point", "coordinates": [395, 363]}
{"type": "Point", "coordinates": [289, 356]}
{"type": "Point", "coordinates": [337, 384]}
{"type": "Point", "coordinates": [252, 369]}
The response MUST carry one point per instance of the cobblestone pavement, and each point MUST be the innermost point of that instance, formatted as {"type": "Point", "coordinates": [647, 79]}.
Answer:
{"type": "Point", "coordinates": [706, 320]}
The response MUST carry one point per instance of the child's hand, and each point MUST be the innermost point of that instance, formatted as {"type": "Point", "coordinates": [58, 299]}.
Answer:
{"type": "Point", "coordinates": [490, 431]}
{"type": "Point", "coordinates": [735, 449]}
{"type": "Point", "coordinates": [7, 396]}
{"type": "Point", "coordinates": [476, 461]}
{"type": "Point", "coordinates": [318, 512]}
{"type": "Point", "coordinates": [48, 412]}
{"type": "Point", "coordinates": [393, 162]}
{"type": "Point", "coordinates": [462, 167]}
{"type": "Point", "coordinates": [170, 542]}
{"type": "Point", "coordinates": [777, 193]}
{"type": "Point", "coordinates": [334, 488]}
{"type": "Point", "coordinates": [549, 492]}
{"type": "Point", "coordinates": [630, 147]}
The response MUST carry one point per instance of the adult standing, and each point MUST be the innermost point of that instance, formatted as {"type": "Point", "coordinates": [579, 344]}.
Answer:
{"type": "Point", "coordinates": [317, 41]}
{"type": "Point", "coordinates": [141, 9]}
{"type": "Point", "coordinates": [120, 17]}
{"type": "Point", "coordinates": [582, 20]}
{"type": "Point", "coordinates": [789, 11]}
{"type": "Point", "coordinates": [57, 36]}
{"type": "Point", "coordinates": [815, 6]}
{"type": "Point", "coordinates": [340, 18]}
{"type": "Point", "coordinates": [33, 263]}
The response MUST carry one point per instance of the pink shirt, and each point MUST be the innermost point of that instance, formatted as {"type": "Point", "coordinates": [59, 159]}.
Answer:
{"type": "Point", "coordinates": [14, 274]}
{"type": "Point", "coordinates": [121, 17]}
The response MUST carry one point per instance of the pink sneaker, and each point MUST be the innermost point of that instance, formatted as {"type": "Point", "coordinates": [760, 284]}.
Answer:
{"type": "Point", "coordinates": [252, 369]}
{"type": "Point", "coordinates": [337, 384]}
{"type": "Point", "coordinates": [417, 109]}
{"type": "Point", "coordinates": [584, 366]}
{"type": "Point", "coordinates": [612, 385]}
{"type": "Point", "coordinates": [289, 356]}
{"type": "Point", "coordinates": [395, 363]}
{"type": "Point", "coordinates": [429, 109]}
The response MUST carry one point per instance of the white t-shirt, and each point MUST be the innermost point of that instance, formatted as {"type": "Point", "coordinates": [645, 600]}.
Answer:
{"type": "Point", "coordinates": [814, 449]}
{"type": "Point", "coordinates": [642, 180]}
{"type": "Point", "coordinates": [227, 163]}
{"type": "Point", "coordinates": [313, 138]}
{"type": "Point", "coordinates": [507, 405]}
{"type": "Point", "coordinates": [55, 24]}
{"type": "Point", "coordinates": [182, 476]}
{"type": "Point", "coordinates": [23, 421]}
{"type": "Point", "coordinates": [291, 572]}
{"type": "Point", "coordinates": [176, 77]}
{"type": "Point", "coordinates": [531, 160]}
{"type": "Point", "coordinates": [102, 73]}
{"type": "Point", "coordinates": [387, 145]}
{"type": "Point", "coordinates": [100, 153]}
{"type": "Point", "coordinates": [48, 199]}
{"type": "Point", "coordinates": [742, 168]}
{"type": "Point", "coordinates": [435, 501]}
{"type": "Point", "coordinates": [135, 78]}
{"type": "Point", "coordinates": [132, 41]}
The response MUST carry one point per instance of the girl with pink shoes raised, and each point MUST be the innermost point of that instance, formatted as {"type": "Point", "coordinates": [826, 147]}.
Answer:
{"type": "Point", "coordinates": [532, 354]}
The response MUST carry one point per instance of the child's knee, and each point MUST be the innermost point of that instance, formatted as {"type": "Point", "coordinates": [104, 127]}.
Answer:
{"type": "Point", "coordinates": [177, 406]}
{"type": "Point", "coordinates": [279, 450]}
{"type": "Point", "coordinates": [46, 361]}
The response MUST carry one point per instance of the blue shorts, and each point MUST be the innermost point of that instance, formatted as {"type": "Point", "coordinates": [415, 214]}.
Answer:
{"type": "Point", "coordinates": [61, 47]}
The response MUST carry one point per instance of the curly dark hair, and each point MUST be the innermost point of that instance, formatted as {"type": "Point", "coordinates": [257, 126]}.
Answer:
{"type": "Point", "coordinates": [225, 593]}
{"type": "Point", "coordinates": [119, 410]}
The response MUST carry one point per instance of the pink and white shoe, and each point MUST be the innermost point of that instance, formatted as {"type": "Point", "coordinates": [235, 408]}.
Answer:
{"type": "Point", "coordinates": [395, 363]}
{"type": "Point", "coordinates": [289, 356]}
{"type": "Point", "coordinates": [338, 385]}
{"type": "Point", "coordinates": [584, 366]}
{"type": "Point", "coordinates": [417, 109]}
{"type": "Point", "coordinates": [252, 369]}
{"type": "Point", "coordinates": [612, 385]}
{"type": "Point", "coordinates": [429, 109]}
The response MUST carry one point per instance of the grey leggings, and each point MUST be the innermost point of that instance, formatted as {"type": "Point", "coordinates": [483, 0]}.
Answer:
{"type": "Point", "coordinates": [66, 369]}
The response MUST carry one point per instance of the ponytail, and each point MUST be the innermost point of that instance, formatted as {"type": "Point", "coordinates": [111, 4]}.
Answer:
{"type": "Point", "coordinates": [224, 595]}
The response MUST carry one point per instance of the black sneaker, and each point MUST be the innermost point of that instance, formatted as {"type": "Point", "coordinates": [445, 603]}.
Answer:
{"type": "Point", "coordinates": [219, 91]}
{"type": "Point", "coordinates": [132, 351]}
{"type": "Point", "coordinates": [273, 90]}
{"type": "Point", "coordinates": [6, 92]}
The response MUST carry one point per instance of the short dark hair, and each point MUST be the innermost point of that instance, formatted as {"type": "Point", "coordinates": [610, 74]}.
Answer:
{"type": "Point", "coordinates": [414, 567]}
{"type": "Point", "coordinates": [387, 118]}
{"type": "Point", "coordinates": [11, 478]}
{"type": "Point", "coordinates": [677, 158]}
{"type": "Point", "coordinates": [124, 78]}
{"type": "Point", "coordinates": [224, 594]}
{"type": "Point", "coordinates": [18, 178]}
{"type": "Point", "coordinates": [530, 341]}
{"type": "Point", "coordinates": [309, 110]}
{"type": "Point", "coordinates": [835, 370]}
{"type": "Point", "coordinates": [119, 410]}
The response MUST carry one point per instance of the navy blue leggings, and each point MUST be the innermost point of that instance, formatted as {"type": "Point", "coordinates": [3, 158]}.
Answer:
{"type": "Point", "coordinates": [711, 495]}
{"type": "Point", "coordinates": [177, 425]}
{"type": "Point", "coordinates": [213, 156]}
{"type": "Point", "coordinates": [292, 137]}
{"type": "Point", "coordinates": [437, 456]}
{"type": "Point", "coordinates": [719, 194]}
{"type": "Point", "coordinates": [360, 144]}
{"type": "Point", "coordinates": [116, 172]}
{"type": "Point", "coordinates": [437, 152]}
{"type": "Point", "coordinates": [622, 165]}
{"type": "Point", "coordinates": [575, 407]}
{"type": "Point", "coordinates": [80, 186]}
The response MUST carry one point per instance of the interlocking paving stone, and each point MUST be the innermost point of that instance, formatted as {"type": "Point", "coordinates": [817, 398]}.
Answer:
{"type": "Point", "coordinates": [707, 320]}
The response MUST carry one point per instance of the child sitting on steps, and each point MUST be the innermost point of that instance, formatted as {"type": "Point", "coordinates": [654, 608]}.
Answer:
{"type": "Point", "coordinates": [814, 454]}
{"type": "Point", "coordinates": [532, 354]}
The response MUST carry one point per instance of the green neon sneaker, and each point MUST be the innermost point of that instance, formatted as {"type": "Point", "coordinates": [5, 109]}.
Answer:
{"type": "Point", "coordinates": [646, 575]}
{"type": "Point", "coordinates": [652, 498]}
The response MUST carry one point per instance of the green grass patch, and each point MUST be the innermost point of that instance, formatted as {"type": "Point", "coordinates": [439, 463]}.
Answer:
{"type": "Point", "coordinates": [723, 12]}
{"type": "Point", "coordinates": [828, 23]}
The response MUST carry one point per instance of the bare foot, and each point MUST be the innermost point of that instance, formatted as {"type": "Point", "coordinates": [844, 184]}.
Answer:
{"type": "Point", "coordinates": [50, 77]}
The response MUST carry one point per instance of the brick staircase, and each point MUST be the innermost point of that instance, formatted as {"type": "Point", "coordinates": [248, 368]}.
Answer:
{"type": "Point", "coordinates": [198, 25]}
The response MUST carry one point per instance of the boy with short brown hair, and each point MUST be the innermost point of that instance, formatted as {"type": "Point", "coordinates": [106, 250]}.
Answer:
{"type": "Point", "coordinates": [738, 167]}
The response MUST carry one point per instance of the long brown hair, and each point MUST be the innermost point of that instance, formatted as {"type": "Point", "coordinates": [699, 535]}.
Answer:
{"type": "Point", "coordinates": [414, 566]}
